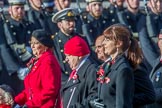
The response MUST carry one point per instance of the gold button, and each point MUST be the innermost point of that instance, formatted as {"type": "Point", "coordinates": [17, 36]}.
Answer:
{"type": "Point", "coordinates": [59, 40]}
{"type": "Point", "coordinates": [52, 36]}
{"type": "Point", "coordinates": [113, 20]}
{"type": "Point", "coordinates": [129, 27]}
{"type": "Point", "coordinates": [103, 21]}
{"type": "Point", "coordinates": [14, 33]}
{"type": "Point", "coordinates": [62, 50]}
{"type": "Point", "coordinates": [66, 72]}
{"type": "Point", "coordinates": [29, 32]}
{"type": "Point", "coordinates": [64, 61]}
{"type": "Point", "coordinates": [111, 11]}
{"type": "Point", "coordinates": [11, 26]}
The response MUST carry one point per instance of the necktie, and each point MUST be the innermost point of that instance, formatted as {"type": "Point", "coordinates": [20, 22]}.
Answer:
{"type": "Point", "coordinates": [72, 74]}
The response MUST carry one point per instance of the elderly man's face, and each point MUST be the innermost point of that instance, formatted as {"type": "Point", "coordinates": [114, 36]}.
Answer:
{"type": "Point", "coordinates": [100, 49]}
{"type": "Point", "coordinates": [73, 61]}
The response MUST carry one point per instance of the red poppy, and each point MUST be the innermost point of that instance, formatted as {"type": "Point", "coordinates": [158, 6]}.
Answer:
{"type": "Point", "coordinates": [75, 77]}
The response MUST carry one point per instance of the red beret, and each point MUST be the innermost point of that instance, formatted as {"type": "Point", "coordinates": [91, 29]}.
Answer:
{"type": "Point", "coordinates": [76, 46]}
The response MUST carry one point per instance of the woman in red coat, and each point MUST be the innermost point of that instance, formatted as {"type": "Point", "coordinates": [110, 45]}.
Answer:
{"type": "Point", "coordinates": [43, 83]}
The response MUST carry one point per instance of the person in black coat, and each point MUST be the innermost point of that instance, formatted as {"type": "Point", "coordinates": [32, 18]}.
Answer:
{"type": "Point", "coordinates": [144, 92]}
{"type": "Point", "coordinates": [81, 85]}
{"type": "Point", "coordinates": [113, 89]}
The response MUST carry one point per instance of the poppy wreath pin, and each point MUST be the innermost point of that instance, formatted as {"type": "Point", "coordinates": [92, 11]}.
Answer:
{"type": "Point", "coordinates": [101, 78]}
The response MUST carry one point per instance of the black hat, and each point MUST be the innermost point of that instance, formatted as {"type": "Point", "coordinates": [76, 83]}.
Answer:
{"type": "Point", "coordinates": [17, 2]}
{"type": "Point", "coordinates": [43, 37]}
{"type": "Point", "coordinates": [48, 3]}
{"type": "Point", "coordinates": [67, 13]}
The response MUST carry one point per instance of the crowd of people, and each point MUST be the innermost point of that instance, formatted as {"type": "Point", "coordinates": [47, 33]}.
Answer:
{"type": "Point", "coordinates": [56, 56]}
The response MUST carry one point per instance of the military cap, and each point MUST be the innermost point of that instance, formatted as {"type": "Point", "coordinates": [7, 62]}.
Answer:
{"type": "Point", "coordinates": [90, 1]}
{"type": "Point", "coordinates": [16, 2]}
{"type": "Point", "coordinates": [67, 13]}
{"type": "Point", "coordinates": [48, 3]}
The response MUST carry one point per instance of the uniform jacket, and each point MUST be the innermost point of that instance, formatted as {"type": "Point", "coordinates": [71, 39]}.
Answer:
{"type": "Point", "coordinates": [42, 84]}
{"type": "Point", "coordinates": [42, 20]}
{"type": "Point", "coordinates": [132, 19]}
{"type": "Point", "coordinates": [157, 19]}
{"type": "Point", "coordinates": [78, 92]}
{"type": "Point", "coordinates": [152, 56]}
{"type": "Point", "coordinates": [118, 93]}
{"type": "Point", "coordinates": [95, 27]}
{"type": "Point", "coordinates": [21, 32]}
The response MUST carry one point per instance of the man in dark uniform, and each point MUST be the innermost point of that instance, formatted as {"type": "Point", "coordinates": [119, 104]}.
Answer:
{"type": "Point", "coordinates": [40, 14]}
{"type": "Point", "coordinates": [133, 14]}
{"type": "Point", "coordinates": [95, 20]}
{"type": "Point", "coordinates": [155, 13]}
{"type": "Point", "coordinates": [65, 20]}
{"type": "Point", "coordinates": [14, 46]}
{"type": "Point", "coordinates": [113, 10]}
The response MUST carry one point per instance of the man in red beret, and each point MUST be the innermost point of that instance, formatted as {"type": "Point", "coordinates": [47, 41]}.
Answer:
{"type": "Point", "coordinates": [81, 85]}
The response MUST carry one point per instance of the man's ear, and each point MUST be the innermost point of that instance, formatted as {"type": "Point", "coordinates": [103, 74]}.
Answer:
{"type": "Point", "coordinates": [87, 8]}
{"type": "Point", "coordinates": [9, 10]}
{"type": "Point", "coordinates": [59, 24]}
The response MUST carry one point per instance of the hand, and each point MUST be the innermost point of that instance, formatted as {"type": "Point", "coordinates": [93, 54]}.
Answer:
{"type": "Point", "coordinates": [95, 103]}
{"type": "Point", "coordinates": [22, 72]}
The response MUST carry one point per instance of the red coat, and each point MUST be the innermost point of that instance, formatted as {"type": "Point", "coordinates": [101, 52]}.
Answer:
{"type": "Point", "coordinates": [42, 84]}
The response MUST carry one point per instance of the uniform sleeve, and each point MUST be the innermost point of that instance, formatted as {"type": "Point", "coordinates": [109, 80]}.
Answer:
{"type": "Point", "coordinates": [124, 88]}
{"type": "Point", "coordinates": [51, 83]}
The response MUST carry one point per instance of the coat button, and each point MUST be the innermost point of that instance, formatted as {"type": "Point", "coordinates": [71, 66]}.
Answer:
{"type": "Point", "coordinates": [62, 50]}
{"type": "Point", "coordinates": [66, 72]}
{"type": "Point", "coordinates": [59, 41]}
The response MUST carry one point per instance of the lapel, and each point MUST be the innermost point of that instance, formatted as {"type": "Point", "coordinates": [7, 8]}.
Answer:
{"type": "Point", "coordinates": [157, 63]}
{"type": "Point", "coordinates": [121, 59]}
{"type": "Point", "coordinates": [81, 75]}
